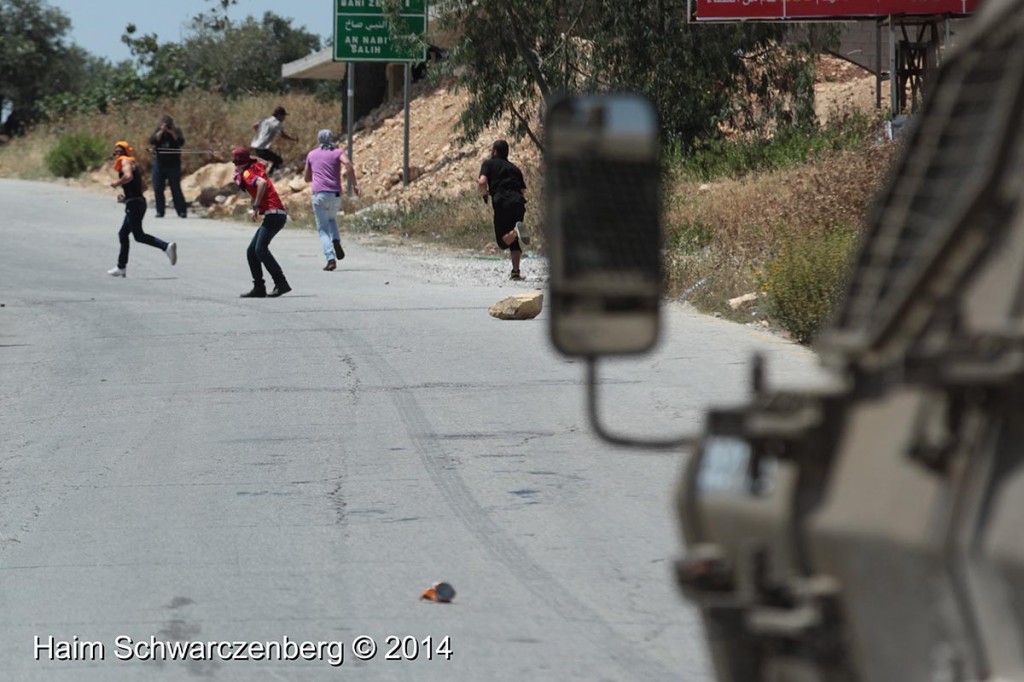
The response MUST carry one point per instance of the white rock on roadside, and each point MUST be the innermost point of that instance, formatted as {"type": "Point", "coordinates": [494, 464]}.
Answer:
{"type": "Point", "coordinates": [735, 303]}
{"type": "Point", "coordinates": [518, 307]}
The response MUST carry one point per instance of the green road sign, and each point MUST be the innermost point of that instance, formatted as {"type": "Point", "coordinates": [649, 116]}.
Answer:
{"type": "Point", "coordinates": [374, 7]}
{"type": "Point", "coordinates": [362, 32]}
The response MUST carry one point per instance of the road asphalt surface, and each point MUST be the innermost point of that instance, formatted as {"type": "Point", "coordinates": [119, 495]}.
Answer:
{"type": "Point", "coordinates": [253, 477]}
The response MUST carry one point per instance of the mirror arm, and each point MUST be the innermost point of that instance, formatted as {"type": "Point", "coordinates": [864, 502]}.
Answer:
{"type": "Point", "coordinates": [685, 440]}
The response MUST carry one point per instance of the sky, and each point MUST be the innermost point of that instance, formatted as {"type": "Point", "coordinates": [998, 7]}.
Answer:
{"type": "Point", "coordinates": [97, 25]}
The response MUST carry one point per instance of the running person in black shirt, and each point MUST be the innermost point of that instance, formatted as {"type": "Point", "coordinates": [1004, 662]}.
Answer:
{"type": "Point", "coordinates": [503, 182]}
{"type": "Point", "coordinates": [129, 178]}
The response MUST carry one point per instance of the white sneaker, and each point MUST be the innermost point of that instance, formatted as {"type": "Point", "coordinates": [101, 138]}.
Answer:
{"type": "Point", "coordinates": [172, 252]}
{"type": "Point", "coordinates": [116, 272]}
{"type": "Point", "coordinates": [522, 233]}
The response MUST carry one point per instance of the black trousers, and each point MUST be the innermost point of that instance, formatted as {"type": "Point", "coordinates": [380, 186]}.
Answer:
{"type": "Point", "coordinates": [168, 175]}
{"type": "Point", "coordinates": [259, 249]}
{"type": "Point", "coordinates": [506, 215]}
{"type": "Point", "coordinates": [270, 156]}
{"type": "Point", "coordinates": [134, 209]}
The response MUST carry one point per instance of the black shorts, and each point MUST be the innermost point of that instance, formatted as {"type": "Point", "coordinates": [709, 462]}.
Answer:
{"type": "Point", "coordinates": [506, 215]}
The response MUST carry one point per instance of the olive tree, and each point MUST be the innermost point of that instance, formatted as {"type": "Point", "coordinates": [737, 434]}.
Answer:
{"type": "Point", "coordinates": [512, 54]}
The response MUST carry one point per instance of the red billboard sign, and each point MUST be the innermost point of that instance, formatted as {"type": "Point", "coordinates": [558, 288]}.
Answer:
{"type": "Point", "coordinates": [776, 10]}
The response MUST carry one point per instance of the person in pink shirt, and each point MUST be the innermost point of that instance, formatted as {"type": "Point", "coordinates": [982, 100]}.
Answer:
{"type": "Point", "coordinates": [324, 166]}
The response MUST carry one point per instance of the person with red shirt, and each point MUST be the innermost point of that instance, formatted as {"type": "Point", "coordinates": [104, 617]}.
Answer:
{"type": "Point", "coordinates": [251, 176]}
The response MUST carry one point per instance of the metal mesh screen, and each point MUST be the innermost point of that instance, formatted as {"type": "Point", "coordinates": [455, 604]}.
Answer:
{"type": "Point", "coordinates": [607, 214]}
{"type": "Point", "coordinates": [948, 166]}
{"type": "Point", "coordinates": [604, 234]}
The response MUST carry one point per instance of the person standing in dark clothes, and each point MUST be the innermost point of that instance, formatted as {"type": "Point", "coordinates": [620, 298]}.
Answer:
{"type": "Point", "coordinates": [129, 178]}
{"type": "Point", "coordinates": [251, 176]}
{"type": "Point", "coordinates": [167, 141]}
{"type": "Point", "coordinates": [503, 182]}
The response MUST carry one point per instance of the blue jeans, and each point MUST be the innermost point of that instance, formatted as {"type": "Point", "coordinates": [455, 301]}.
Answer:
{"type": "Point", "coordinates": [325, 208]}
{"type": "Point", "coordinates": [259, 250]}
{"type": "Point", "coordinates": [169, 175]}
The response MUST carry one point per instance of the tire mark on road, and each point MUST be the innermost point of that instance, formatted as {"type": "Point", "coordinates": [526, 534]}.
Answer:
{"type": "Point", "coordinates": [495, 541]}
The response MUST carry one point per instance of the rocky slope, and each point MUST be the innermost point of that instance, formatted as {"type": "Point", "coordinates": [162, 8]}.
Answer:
{"type": "Point", "coordinates": [439, 166]}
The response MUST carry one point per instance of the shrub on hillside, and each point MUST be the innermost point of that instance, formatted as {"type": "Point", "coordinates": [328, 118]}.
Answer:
{"type": "Point", "coordinates": [804, 283]}
{"type": "Point", "coordinates": [740, 156]}
{"type": "Point", "coordinates": [75, 153]}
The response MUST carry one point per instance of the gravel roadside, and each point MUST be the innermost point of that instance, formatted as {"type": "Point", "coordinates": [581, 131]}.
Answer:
{"type": "Point", "coordinates": [440, 265]}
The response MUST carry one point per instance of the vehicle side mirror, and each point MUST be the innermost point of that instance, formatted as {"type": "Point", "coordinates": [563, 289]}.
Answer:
{"type": "Point", "coordinates": [603, 219]}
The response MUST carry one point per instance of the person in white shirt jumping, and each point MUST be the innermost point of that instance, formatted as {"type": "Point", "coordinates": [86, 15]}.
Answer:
{"type": "Point", "coordinates": [266, 131]}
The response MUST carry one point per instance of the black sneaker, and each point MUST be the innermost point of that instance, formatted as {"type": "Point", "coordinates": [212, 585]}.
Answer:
{"type": "Point", "coordinates": [279, 290]}
{"type": "Point", "coordinates": [338, 251]}
{"type": "Point", "coordinates": [331, 265]}
{"type": "Point", "coordinates": [515, 276]}
{"type": "Point", "coordinates": [258, 291]}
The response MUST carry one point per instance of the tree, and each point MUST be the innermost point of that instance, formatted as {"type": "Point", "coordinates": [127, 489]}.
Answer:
{"type": "Point", "coordinates": [35, 61]}
{"type": "Point", "coordinates": [229, 57]}
{"type": "Point", "coordinates": [513, 54]}
{"type": "Point", "coordinates": [217, 54]}
{"type": "Point", "coordinates": [234, 58]}
{"type": "Point", "coordinates": [512, 51]}
{"type": "Point", "coordinates": [216, 18]}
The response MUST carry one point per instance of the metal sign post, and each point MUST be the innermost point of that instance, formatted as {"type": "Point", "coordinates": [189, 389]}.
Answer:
{"type": "Point", "coordinates": [405, 139]}
{"type": "Point", "coordinates": [350, 73]}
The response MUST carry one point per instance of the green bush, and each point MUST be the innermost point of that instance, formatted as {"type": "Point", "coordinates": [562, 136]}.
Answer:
{"type": "Point", "coordinates": [804, 283]}
{"type": "Point", "coordinates": [734, 158]}
{"type": "Point", "coordinates": [75, 153]}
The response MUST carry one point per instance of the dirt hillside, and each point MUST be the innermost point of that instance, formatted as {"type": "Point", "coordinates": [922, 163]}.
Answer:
{"type": "Point", "coordinates": [842, 86]}
{"type": "Point", "coordinates": [440, 167]}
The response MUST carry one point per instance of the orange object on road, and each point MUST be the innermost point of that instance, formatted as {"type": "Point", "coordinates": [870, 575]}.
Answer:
{"type": "Point", "coordinates": [440, 592]}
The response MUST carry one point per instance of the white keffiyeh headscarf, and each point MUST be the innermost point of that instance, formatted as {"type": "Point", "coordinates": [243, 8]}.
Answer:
{"type": "Point", "coordinates": [326, 139]}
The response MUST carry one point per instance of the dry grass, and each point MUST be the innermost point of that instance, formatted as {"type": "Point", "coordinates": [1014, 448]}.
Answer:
{"type": "Point", "coordinates": [210, 123]}
{"type": "Point", "coordinates": [720, 235]}
{"type": "Point", "coordinates": [25, 157]}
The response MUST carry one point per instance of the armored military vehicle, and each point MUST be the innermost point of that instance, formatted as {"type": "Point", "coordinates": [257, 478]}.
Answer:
{"type": "Point", "coordinates": [874, 531]}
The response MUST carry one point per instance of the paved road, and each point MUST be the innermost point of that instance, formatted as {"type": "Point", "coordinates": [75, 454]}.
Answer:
{"type": "Point", "coordinates": [178, 464]}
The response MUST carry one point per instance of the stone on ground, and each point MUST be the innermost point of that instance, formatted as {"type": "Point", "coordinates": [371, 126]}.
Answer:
{"type": "Point", "coordinates": [518, 307]}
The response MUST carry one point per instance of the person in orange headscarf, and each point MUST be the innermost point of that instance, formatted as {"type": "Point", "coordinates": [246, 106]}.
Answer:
{"type": "Point", "coordinates": [129, 178]}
